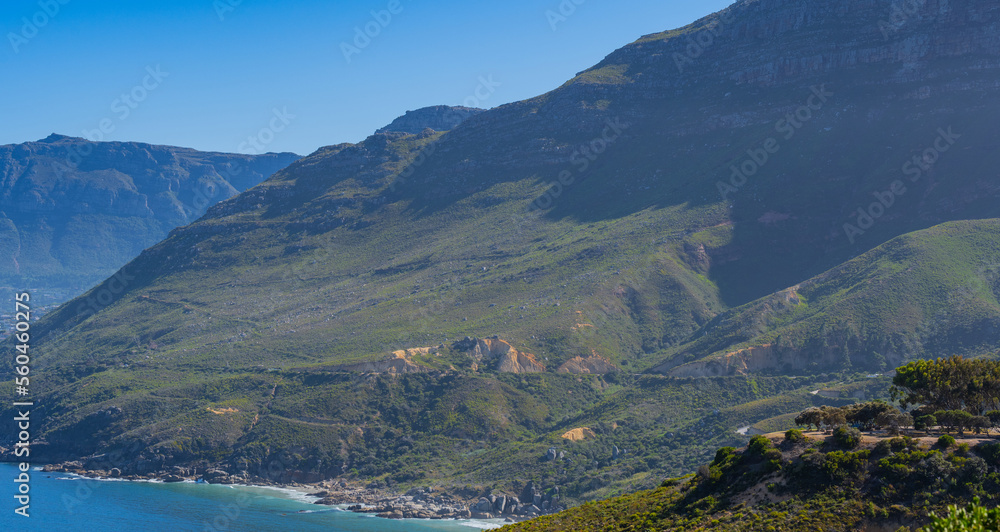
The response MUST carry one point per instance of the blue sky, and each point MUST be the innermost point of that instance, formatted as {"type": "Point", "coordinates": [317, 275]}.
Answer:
{"type": "Point", "coordinates": [291, 75]}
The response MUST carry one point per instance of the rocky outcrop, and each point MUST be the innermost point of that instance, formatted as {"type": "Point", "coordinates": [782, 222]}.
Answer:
{"type": "Point", "coordinates": [579, 434]}
{"type": "Point", "coordinates": [438, 118]}
{"type": "Point", "coordinates": [500, 355]}
{"type": "Point", "coordinates": [594, 364]}
{"type": "Point", "coordinates": [517, 362]}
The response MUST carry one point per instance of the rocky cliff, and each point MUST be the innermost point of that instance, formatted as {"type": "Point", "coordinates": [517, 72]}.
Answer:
{"type": "Point", "coordinates": [437, 118]}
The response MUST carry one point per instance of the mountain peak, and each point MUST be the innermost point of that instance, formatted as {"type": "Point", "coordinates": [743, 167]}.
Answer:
{"type": "Point", "coordinates": [437, 117]}
{"type": "Point", "coordinates": [55, 137]}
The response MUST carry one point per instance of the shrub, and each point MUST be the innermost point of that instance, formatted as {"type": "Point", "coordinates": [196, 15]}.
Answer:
{"type": "Point", "coordinates": [945, 441]}
{"type": "Point", "coordinates": [723, 455]}
{"type": "Point", "coordinates": [758, 445]}
{"type": "Point", "coordinates": [795, 436]}
{"type": "Point", "coordinates": [772, 458]}
{"type": "Point", "coordinates": [975, 470]}
{"type": "Point", "coordinates": [990, 452]}
{"type": "Point", "coordinates": [935, 467]}
{"type": "Point", "coordinates": [847, 437]}
{"type": "Point", "coordinates": [882, 448]}
{"type": "Point", "coordinates": [840, 465]}
{"type": "Point", "coordinates": [972, 518]}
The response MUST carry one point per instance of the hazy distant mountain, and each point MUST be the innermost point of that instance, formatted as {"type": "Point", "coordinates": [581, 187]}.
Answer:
{"type": "Point", "coordinates": [72, 211]}
{"type": "Point", "coordinates": [630, 220]}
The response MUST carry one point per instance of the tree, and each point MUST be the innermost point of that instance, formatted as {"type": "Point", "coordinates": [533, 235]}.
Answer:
{"type": "Point", "coordinates": [981, 424]}
{"type": "Point", "coordinates": [864, 415]}
{"type": "Point", "coordinates": [894, 420]}
{"type": "Point", "coordinates": [994, 417]}
{"type": "Point", "coordinates": [948, 384]}
{"type": "Point", "coordinates": [809, 417]}
{"type": "Point", "coordinates": [833, 416]}
{"type": "Point", "coordinates": [954, 419]}
{"type": "Point", "coordinates": [925, 422]}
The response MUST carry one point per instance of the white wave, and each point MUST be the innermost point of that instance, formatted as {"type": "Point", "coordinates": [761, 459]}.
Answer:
{"type": "Point", "coordinates": [483, 525]}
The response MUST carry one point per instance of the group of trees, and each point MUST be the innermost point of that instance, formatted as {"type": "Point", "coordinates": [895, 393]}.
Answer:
{"type": "Point", "coordinates": [865, 416]}
{"type": "Point", "coordinates": [951, 393]}
{"type": "Point", "coordinates": [954, 393]}
{"type": "Point", "coordinates": [949, 384]}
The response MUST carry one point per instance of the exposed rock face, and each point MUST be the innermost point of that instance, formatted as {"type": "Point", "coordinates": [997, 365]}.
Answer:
{"type": "Point", "coordinates": [508, 359]}
{"type": "Point", "coordinates": [438, 118]}
{"type": "Point", "coordinates": [579, 434]}
{"type": "Point", "coordinates": [594, 364]}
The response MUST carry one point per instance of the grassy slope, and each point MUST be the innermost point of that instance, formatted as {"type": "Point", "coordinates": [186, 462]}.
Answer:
{"type": "Point", "coordinates": [921, 294]}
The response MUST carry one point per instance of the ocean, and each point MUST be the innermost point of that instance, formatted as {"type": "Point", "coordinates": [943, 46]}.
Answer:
{"type": "Point", "coordinates": [62, 502]}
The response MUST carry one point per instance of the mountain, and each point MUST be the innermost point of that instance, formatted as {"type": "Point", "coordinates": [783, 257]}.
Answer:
{"type": "Point", "coordinates": [72, 212]}
{"type": "Point", "coordinates": [446, 306]}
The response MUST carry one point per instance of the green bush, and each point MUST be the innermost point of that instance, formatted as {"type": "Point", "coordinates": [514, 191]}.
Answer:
{"type": "Point", "coordinates": [945, 441]}
{"type": "Point", "coordinates": [758, 445]}
{"type": "Point", "coordinates": [972, 518]}
{"type": "Point", "coordinates": [847, 437]}
{"type": "Point", "coordinates": [990, 452]}
{"type": "Point", "coordinates": [724, 455]}
{"type": "Point", "coordinates": [840, 465]}
{"type": "Point", "coordinates": [795, 436]}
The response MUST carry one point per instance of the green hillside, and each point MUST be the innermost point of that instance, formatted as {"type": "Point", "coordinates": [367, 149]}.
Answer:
{"type": "Point", "coordinates": [815, 484]}
{"type": "Point", "coordinates": [922, 294]}
{"type": "Point", "coordinates": [440, 308]}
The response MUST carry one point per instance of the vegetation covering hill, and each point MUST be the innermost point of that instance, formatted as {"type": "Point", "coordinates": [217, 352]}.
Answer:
{"type": "Point", "coordinates": [319, 321]}
{"type": "Point", "coordinates": [841, 479]}
{"type": "Point", "coordinates": [72, 212]}
{"type": "Point", "coordinates": [803, 482]}
{"type": "Point", "coordinates": [925, 293]}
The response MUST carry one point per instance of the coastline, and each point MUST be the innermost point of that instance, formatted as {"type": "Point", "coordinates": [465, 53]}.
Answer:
{"type": "Point", "coordinates": [424, 504]}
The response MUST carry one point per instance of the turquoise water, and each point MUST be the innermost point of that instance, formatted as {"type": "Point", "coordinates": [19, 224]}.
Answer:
{"type": "Point", "coordinates": [61, 502]}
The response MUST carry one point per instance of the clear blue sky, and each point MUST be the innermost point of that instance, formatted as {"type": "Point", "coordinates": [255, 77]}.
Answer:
{"type": "Point", "coordinates": [226, 75]}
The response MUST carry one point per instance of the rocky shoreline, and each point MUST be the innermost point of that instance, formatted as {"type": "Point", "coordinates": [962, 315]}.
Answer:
{"type": "Point", "coordinates": [417, 503]}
